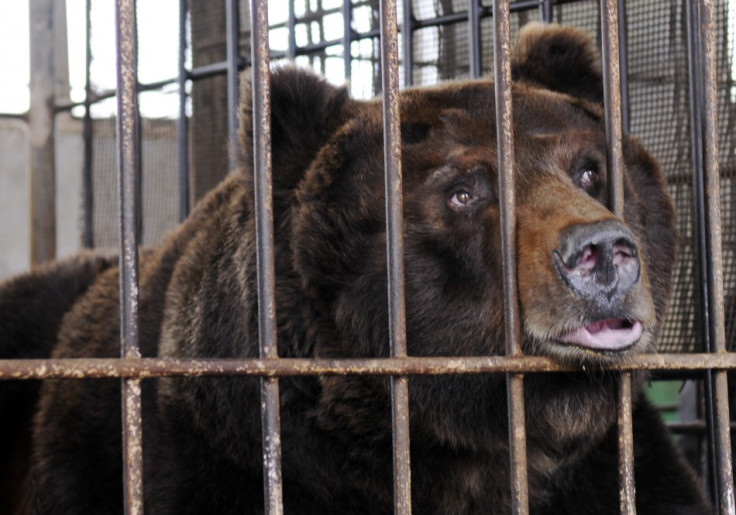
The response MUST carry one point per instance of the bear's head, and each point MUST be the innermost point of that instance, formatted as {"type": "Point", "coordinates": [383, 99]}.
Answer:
{"type": "Point", "coordinates": [592, 286]}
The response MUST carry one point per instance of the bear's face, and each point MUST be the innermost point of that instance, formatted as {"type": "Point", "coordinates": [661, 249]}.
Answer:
{"type": "Point", "coordinates": [583, 274]}
{"type": "Point", "coordinates": [592, 286]}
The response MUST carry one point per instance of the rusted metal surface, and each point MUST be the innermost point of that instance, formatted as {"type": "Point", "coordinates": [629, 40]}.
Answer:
{"type": "Point", "coordinates": [507, 211]}
{"type": "Point", "coordinates": [706, 186]}
{"type": "Point", "coordinates": [610, 55]}
{"type": "Point", "coordinates": [612, 102]}
{"type": "Point", "coordinates": [715, 302]}
{"type": "Point", "coordinates": [696, 143]}
{"type": "Point", "coordinates": [132, 369]}
{"type": "Point", "coordinates": [41, 132]}
{"type": "Point", "coordinates": [145, 368]}
{"type": "Point", "coordinates": [128, 156]}
{"type": "Point", "coordinates": [624, 420]}
{"type": "Point", "coordinates": [132, 447]}
{"type": "Point", "coordinates": [395, 252]}
{"type": "Point", "coordinates": [267, 336]}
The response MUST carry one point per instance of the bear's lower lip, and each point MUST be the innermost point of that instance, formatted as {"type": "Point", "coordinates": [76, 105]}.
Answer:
{"type": "Point", "coordinates": [612, 334]}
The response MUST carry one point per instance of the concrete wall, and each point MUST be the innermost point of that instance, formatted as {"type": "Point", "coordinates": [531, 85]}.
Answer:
{"type": "Point", "coordinates": [159, 182]}
{"type": "Point", "coordinates": [14, 192]}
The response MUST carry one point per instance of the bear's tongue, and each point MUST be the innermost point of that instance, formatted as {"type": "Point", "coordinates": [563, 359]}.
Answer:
{"type": "Point", "coordinates": [610, 334]}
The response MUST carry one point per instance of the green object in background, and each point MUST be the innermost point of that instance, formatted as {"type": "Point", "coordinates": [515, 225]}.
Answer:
{"type": "Point", "coordinates": [665, 395]}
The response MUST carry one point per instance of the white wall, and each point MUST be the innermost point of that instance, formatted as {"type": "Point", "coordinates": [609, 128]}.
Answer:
{"type": "Point", "coordinates": [14, 192]}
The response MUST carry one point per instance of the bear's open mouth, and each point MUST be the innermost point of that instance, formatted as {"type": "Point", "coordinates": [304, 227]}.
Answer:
{"type": "Point", "coordinates": [611, 334]}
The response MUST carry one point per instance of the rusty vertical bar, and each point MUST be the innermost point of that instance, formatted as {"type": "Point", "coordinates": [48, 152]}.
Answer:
{"type": "Point", "coordinates": [88, 234]}
{"type": "Point", "coordinates": [624, 420]}
{"type": "Point", "coordinates": [507, 204]}
{"type": "Point", "coordinates": [267, 333]}
{"type": "Point", "coordinates": [232, 36]}
{"type": "Point", "coordinates": [696, 142]}
{"type": "Point", "coordinates": [395, 252]}
{"type": "Point", "coordinates": [127, 141]}
{"type": "Point", "coordinates": [707, 29]}
{"type": "Point", "coordinates": [612, 101]}
{"type": "Point", "coordinates": [182, 126]}
{"type": "Point", "coordinates": [41, 132]}
{"type": "Point", "coordinates": [614, 156]}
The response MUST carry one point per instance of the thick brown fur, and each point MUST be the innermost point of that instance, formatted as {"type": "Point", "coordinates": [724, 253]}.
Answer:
{"type": "Point", "coordinates": [202, 436]}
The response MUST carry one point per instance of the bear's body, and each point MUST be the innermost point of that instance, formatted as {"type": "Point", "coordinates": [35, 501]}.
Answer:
{"type": "Point", "coordinates": [592, 288]}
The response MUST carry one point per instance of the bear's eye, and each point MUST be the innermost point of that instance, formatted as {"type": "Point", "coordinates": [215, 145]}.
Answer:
{"type": "Point", "coordinates": [461, 199]}
{"type": "Point", "coordinates": [589, 179]}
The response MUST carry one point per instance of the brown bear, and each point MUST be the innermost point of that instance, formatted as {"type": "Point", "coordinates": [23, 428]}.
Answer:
{"type": "Point", "coordinates": [593, 288]}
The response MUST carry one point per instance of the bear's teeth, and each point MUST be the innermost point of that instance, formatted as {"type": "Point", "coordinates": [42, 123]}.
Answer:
{"type": "Point", "coordinates": [609, 334]}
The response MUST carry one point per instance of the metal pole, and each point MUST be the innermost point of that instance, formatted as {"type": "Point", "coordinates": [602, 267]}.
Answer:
{"type": "Point", "coordinates": [475, 43]}
{"type": "Point", "coordinates": [614, 156]}
{"type": "Point", "coordinates": [507, 205]}
{"type": "Point", "coordinates": [395, 252]}
{"type": "Point", "coordinates": [41, 132]}
{"type": "Point", "coordinates": [267, 334]}
{"type": "Point", "coordinates": [182, 127]}
{"type": "Point", "coordinates": [232, 28]}
{"type": "Point", "coordinates": [714, 274]}
{"type": "Point", "coordinates": [128, 167]}
{"type": "Point", "coordinates": [348, 36]}
{"type": "Point", "coordinates": [408, 37]}
{"type": "Point", "coordinates": [88, 236]}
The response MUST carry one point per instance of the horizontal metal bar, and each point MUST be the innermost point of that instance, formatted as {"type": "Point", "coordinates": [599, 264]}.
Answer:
{"type": "Point", "coordinates": [67, 368]}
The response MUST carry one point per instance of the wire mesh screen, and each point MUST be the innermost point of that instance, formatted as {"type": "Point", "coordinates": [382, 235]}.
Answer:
{"type": "Point", "coordinates": [159, 200]}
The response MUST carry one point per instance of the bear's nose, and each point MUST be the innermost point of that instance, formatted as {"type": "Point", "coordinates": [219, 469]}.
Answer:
{"type": "Point", "coordinates": [599, 261]}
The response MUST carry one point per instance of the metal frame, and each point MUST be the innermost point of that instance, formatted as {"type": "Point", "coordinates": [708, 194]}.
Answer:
{"type": "Point", "coordinates": [131, 368]}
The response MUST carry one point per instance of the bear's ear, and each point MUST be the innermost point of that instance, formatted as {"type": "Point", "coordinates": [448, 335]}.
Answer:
{"type": "Point", "coordinates": [305, 111]}
{"type": "Point", "coordinates": [561, 59]}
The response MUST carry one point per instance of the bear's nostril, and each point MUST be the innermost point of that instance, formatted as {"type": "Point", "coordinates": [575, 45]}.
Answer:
{"type": "Point", "coordinates": [588, 258]}
{"type": "Point", "coordinates": [623, 251]}
{"type": "Point", "coordinates": [598, 261]}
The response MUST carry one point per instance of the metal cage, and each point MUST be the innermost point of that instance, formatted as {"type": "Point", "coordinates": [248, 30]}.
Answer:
{"type": "Point", "coordinates": [709, 364]}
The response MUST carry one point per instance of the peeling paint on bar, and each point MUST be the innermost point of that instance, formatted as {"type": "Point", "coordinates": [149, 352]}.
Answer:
{"type": "Point", "coordinates": [395, 252]}
{"type": "Point", "coordinates": [267, 334]}
{"type": "Point", "coordinates": [507, 211]}
{"type": "Point", "coordinates": [714, 254]}
{"type": "Point", "coordinates": [614, 157]}
{"type": "Point", "coordinates": [147, 368]}
{"type": "Point", "coordinates": [127, 142]}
